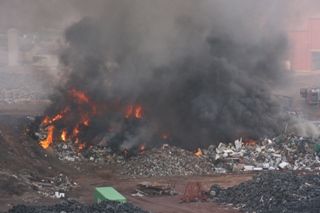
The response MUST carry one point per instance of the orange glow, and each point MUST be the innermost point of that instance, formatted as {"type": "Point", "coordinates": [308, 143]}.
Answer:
{"type": "Point", "coordinates": [48, 141]}
{"type": "Point", "coordinates": [134, 111]}
{"type": "Point", "coordinates": [75, 131]}
{"type": "Point", "coordinates": [85, 120]}
{"type": "Point", "coordinates": [249, 142]}
{"type": "Point", "coordinates": [138, 112]}
{"type": "Point", "coordinates": [46, 120]}
{"type": "Point", "coordinates": [81, 146]}
{"type": "Point", "coordinates": [56, 118]}
{"type": "Point", "coordinates": [129, 111]}
{"type": "Point", "coordinates": [142, 148]}
{"type": "Point", "coordinates": [198, 152]}
{"type": "Point", "coordinates": [64, 135]}
{"type": "Point", "coordinates": [79, 96]}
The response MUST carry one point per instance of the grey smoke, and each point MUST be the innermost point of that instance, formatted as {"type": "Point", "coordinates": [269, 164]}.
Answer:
{"type": "Point", "coordinates": [202, 70]}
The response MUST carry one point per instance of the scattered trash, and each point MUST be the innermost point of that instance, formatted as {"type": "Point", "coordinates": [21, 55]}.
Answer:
{"type": "Point", "coordinates": [156, 189]}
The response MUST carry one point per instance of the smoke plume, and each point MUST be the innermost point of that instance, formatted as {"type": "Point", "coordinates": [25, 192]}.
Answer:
{"type": "Point", "coordinates": [201, 70]}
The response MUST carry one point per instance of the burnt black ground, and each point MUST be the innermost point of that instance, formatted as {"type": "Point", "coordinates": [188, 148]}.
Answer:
{"type": "Point", "coordinates": [274, 192]}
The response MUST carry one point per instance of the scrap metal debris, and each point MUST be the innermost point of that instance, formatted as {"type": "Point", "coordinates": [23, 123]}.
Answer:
{"type": "Point", "coordinates": [44, 186]}
{"type": "Point", "coordinates": [273, 192]}
{"type": "Point", "coordinates": [283, 152]}
{"type": "Point", "coordinates": [167, 161]}
{"type": "Point", "coordinates": [155, 189]}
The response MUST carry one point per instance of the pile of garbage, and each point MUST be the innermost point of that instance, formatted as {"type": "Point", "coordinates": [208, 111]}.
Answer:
{"type": "Point", "coordinates": [283, 152]}
{"type": "Point", "coordinates": [168, 161]}
{"type": "Point", "coordinates": [75, 207]}
{"type": "Point", "coordinates": [52, 187]}
{"type": "Point", "coordinates": [273, 192]}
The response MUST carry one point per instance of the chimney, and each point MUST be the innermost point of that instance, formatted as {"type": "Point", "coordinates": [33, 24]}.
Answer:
{"type": "Point", "coordinates": [13, 47]}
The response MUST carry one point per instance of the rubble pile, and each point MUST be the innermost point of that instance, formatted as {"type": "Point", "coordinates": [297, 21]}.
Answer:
{"type": "Point", "coordinates": [168, 161]}
{"type": "Point", "coordinates": [273, 192]}
{"type": "Point", "coordinates": [48, 186]}
{"type": "Point", "coordinates": [75, 207]}
{"type": "Point", "coordinates": [17, 184]}
{"type": "Point", "coordinates": [283, 152]}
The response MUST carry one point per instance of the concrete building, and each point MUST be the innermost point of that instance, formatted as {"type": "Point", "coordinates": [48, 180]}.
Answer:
{"type": "Point", "coordinates": [304, 53]}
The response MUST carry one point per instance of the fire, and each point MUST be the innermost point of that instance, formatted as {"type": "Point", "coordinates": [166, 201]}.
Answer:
{"type": "Point", "coordinates": [80, 96]}
{"type": "Point", "coordinates": [81, 146]}
{"type": "Point", "coordinates": [134, 111]}
{"type": "Point", "coordinates": [64, 135]}
{"type": "Point", "coordinates": [56, 118]}
{"type": "Point", "coordinates": [76, 131]}
{"type": "Point", "coordinates": [48, 141]}
{"type": "Point", "coordinates": [198, 152]}
{"type": "Point", "coordinates": [138, 112]}
{"type": "Point", "coordinates": [47, 120]}
{"type": "Point", "coordinates": [85, 120]}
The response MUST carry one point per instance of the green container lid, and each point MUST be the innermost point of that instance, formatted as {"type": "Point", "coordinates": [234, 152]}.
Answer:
{"type": "Point", "coordinates": [108, 193]}
{"type": "Point", "coordinates": [317, 148]}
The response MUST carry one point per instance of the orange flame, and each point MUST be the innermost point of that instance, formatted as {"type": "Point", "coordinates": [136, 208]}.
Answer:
{"type": "Point", "coordinates": [138, 112]}
{"type": "Point", "coordinates": [134, 111]}
{"type": "Point", "coordinates": [80, 96]}
{"type": "Point", "coordinates": [64, 135]}
{"type": "Point", "coordinates": [75, 131]}
{"type": "Point", "coordinates": [85, 120]}
{"type": "Point", "coordinates": [81, 146]}
{"type": "Point", "coordinates": [47, 120]}
{"type": "Point", "coordinates": [56, 118]}
{"type": "Point", "coordinates": [198, 152]}
{"type": "Point", "coordinates": [48, 141]}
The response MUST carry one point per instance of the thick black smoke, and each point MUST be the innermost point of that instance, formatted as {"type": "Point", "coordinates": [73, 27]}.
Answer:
{"type": "Point", "coordinates": [204, 84]}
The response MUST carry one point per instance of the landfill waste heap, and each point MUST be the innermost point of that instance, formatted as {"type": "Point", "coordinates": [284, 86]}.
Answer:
{"type": "Point", "coordinates": [273, 192]}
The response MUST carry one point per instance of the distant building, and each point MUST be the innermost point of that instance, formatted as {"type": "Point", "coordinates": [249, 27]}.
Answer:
{"type": "Point", "coordinates": [304, 54]}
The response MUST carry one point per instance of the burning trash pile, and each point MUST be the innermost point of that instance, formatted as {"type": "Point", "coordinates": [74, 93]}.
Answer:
{"type": "Point", "coordinates": [283, 152]}
{"type": "Point", "coordinates": [73, 206]}
{"type": "Point", "coordinates": [196, 90]}
{"type": "Point", "coordinates": [273, 192]}
{"type": "Point", "coordinates": [168, 161]}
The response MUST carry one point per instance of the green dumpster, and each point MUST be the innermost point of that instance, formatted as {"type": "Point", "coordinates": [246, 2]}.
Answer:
{"type": "Point", "coordinates": [317, 148]}
{"type": "Point", "coordinates": [108, 193]}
